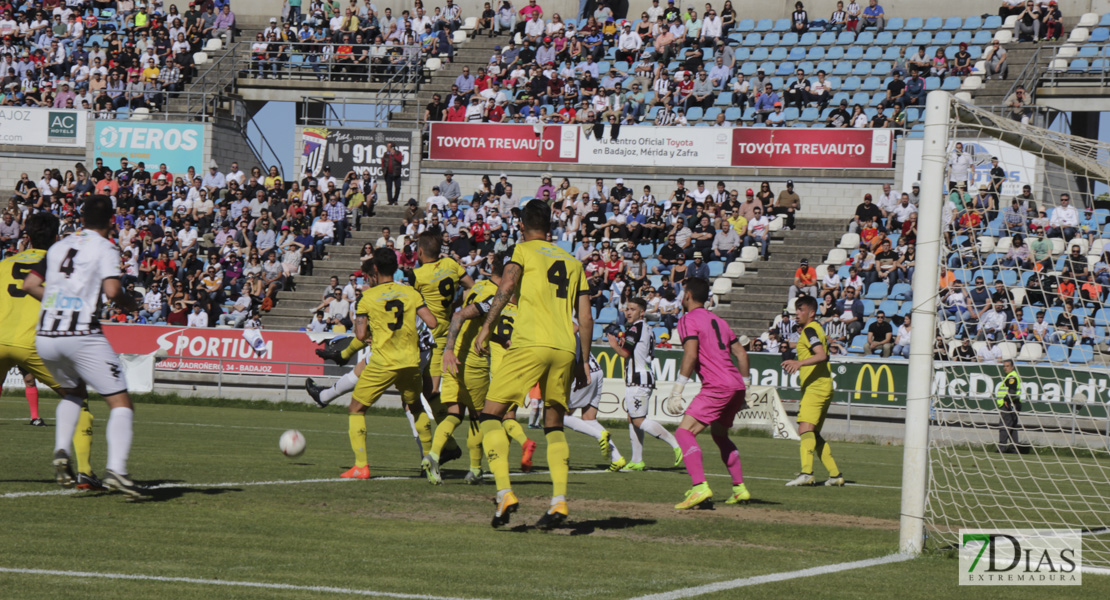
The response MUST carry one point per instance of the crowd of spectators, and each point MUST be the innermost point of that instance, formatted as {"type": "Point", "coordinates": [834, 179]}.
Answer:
{"type": "Point", "coordinates": [200, 249]}
{"type": "Point", "coordinates": [106, 56]}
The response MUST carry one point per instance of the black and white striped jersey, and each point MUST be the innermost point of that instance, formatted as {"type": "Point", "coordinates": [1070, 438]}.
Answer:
{"type": "Point", "coordinates": [639, 339]}
{"type": "Point", "coordinates": [76, 268]}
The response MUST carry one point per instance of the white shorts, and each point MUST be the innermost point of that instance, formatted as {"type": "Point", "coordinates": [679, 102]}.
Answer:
{"type": "Point", "coordinates": [589, 395]}
{"type": "Point", "coordinates": [636, 400]}
{"type": "Point", "coordinates": [87, 359]}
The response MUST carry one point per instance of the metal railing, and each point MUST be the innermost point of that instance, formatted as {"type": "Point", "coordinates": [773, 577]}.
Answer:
{"type": "Point", "coordinates": [391, 67]}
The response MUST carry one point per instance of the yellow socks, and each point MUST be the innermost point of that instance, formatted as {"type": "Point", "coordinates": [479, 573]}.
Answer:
{"type": "Point", "coordinates": [356, 429]}
{"type": "Point", "coordinates": [82, 441]}
{"type": "Point", "coordinates": [352, 348]}
{"type": "Point", "coordinates": [423, 428]}
{"type": "Point", "coordinates": [558, 459]}
{"type": "Point", "coordinates": [496, 445]}
{"type": "Point", "coordinates": [825, 453]}
{"type": "Point", "coordinates": [809, 443]}
{"type": "Point", "coordinates": [474, 445]}
{"type": "Point", "coordinates": [514, 430]}
{"type": "Point", "coordinates": [443, 433]}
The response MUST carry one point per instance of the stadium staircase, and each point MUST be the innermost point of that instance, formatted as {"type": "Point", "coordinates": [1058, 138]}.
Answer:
{"type": "Point", "coordinates": [474, 53]}
{"type": "Point", "coordinates": [293, 309]}
{"type": "Point", "coordinates": [760, 293]}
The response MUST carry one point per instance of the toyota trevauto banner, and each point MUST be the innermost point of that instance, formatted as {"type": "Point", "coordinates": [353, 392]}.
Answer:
{"type": "Point", "coordinates": [179, 145]}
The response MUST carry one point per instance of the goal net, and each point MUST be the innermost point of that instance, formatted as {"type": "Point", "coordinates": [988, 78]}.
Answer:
{"type": "Point", "coordinates": [1023, 277]}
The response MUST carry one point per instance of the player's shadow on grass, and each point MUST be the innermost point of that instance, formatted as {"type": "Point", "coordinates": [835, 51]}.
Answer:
{"type": "Point", "coordinates": [163, 494]}
{"type": "Point", "coordinates": [609, 524]}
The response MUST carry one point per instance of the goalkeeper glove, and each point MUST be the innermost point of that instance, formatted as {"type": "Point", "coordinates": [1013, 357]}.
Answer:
{"type": "Point", "coordinates": [675, 404]}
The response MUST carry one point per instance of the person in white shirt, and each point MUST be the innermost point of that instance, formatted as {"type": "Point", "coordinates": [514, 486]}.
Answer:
{"type": "Point", "coordinates": [1064, 222]}
{"type": "Point", "coordinates": [213, 180]}
{"type": "Point", "coordinates": [992, 324]}
{"type": "Point", "coordinates": [759, 232]}
{"type": "Point", "coordinates": [988, 353]}
{"type": "Point", "coordinates": [830, 283]}
{"type": "Point", "coordinates": [235, 174]}
{"type": "Point", "coordinates": [655, 11]}
{"type": "Point", "coordinates": [325, 178]}
{"type": "Point", "coordinates": [475, 111]}
{"type": "Point", "coordinates": [437, 200]}
{"type": "Point", "coordinates": [901, 213]}
{"type": "Point", "coordinates": [710, 29]}
{"type": "Point", "coordinates": [318, 324]}
{"type": "Point", "coordinates": [887, 200]}
{"type": "Point", "coordinates": [239, 312]}
{"type": "Point", "coordinates": [197, 318]}
{"type": "Point", "coordinates": [186, 238]}
{"type": "Point", "coordinates": [533, 29]}
{"type": "Point", "coordinates": [629, 44]}
{"type": "Point", "coordinates": [902, 339]}
{"type": "Point", "coordinates": [960, 167]}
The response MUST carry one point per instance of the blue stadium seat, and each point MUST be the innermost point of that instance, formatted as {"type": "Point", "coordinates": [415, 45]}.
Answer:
{"type": "Point", "coordinates": [857, 345]}
{"type": "Point", "coordinates": [953, 23]}
{"type": "Point", "coordinates": [827, 38]}
{"type": "Point", "coordinates": [932, 83]}
{"type": "Point", "coordinates": [876, 100]}
{"type": "Point", "coordinates": [752, 39]}
{"type": "Point", "coordinates": [791, 113]}
{"type": "Point", "coordinates": [748, 69]}
{"type": "Point", "coordinates": [723, 99]}
{"type": "Point", "coordinates": [889, 307]}
{"type": "Point", "coordinates": [835, 53]}
{"type": "Point", "coordinates": [872, 53]}
{"type": "Point", "coordinates": [825, 65]}
{"type": "Point", "coordinates": [992, 22]}
{"type": "Point", "coordinates": [733, 114]}
{"type": "Point", "coordinates": [870, 84]}
{"type": "Point", "coordinates": [749, 113]}
{"type": "Point", "coordinates": [806, 67]}
{"type": "Point", "coordinates": [1099, 36]}
{"type": "Point", "coordinates": [884, 38]}
{"type": "Point", "coordinates": [797, 54]}
{"type": "Point", "coordinates": [923, 38]}
{"type": "Point", "coordinates": [785, 69]}
{"type": "Point", "coordinates": [608, 315]}
{"type": "Point", "coordinates": [982, 36]}
{"type": "Point", "coordinates": [882, 69]}
{"type": "Point", "coordinates": [815, 53]}
{"type": "Point", "coordinates": [760, 54]}
{"type": "Point", "coordinates": [933, 24]}
{"type": "Point", "coordinates": [854, 53]}
{"type": "Point", "coordinates": [716, 268]}
{"type": "Point", "coordinates": [895, 23]}
{"type": "Point", "coordinates": [660, 331]}
{"type": "Point", "coordinates": [771, 39]}
{"type": "Point", "coordinates": [768, 68]}
{"type": "Point", "coordinates": [778, 54]}
{"type": "Point", "coordinates": [694, 114]}
{"type": "Point", "coordinates": [876, 291]}
{"type": "Point", "coordinates": [904, 38]}
{"type": "Point", "coordinates": [972, 23]}
{"type": "Point", "coordinates": [962, 37]}
{"type": "Point", "coordinates": [942, 38]}
{"type": "Point", "coordinates": [745, 25]}
{"type": "Point", "coordinates": [1104, 21]}
{"type": "Point", "coordinates": [777, 82]}
{"type": "Point", "coordinates": [913, 24]}
{"type": "Point", "coordinates": [842, 68]}
{"type": "Point", "coordinates": [891, 53]}
{"type": "Point", "coordinates": [1087, 52]}
{"type": "Point", "coordinates": [711, 114]}
{"type": "Point", "coordinates": [902, 291]}
{"type": "Point", "coordinates": [1078, 65]}
{"type": "Point", "coordinates": [782, 25]}
{"type": "Point", "coordinates": [598, 331]}
{"type": "Point", "coordinates": [764, 25]}
{"type": "Point", "coordinates": [861, 98]}
{"type": "Point", "coordinates": [789, 39]}
{"type": "Point", "coordinates": [742, 54]}
{"type": "Point", "coordinates": [809, 38]}
{"type": "Point", "coordinates": [865, 38]}
{"type": "Point", "coordinates": [567, 246]}
{"type": "Point", "coordinates": [1057, 353]}
{"type": "Point", "coordinates": [810, 114]}
{"type": "Point", "coordinates": [862, 69]}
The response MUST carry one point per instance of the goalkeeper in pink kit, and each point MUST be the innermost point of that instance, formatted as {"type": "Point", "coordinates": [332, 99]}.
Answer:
{"type": "Point", "coordinates": [708, 345]}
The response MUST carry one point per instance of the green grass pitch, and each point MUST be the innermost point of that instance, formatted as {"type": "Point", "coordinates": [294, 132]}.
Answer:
{"type": "Point", "coordinates": [218, 519]}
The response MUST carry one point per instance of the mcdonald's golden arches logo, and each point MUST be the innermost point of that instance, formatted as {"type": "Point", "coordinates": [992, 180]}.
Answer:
{"type": "Point", "coordinates": [875, 379]}
{"type": "Point", "coordinates": [611, 364]}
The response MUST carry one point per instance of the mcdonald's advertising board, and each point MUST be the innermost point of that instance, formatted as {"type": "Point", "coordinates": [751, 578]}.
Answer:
{"type": "Point", "coordinates": [879, 383]}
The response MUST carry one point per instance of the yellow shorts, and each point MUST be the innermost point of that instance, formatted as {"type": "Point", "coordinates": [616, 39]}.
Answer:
{"type": "Point", "coordinates": [375, 380]}
{"type": "Point", "coordinates": [524, 367]}
{"type": "Point", "coordinates": [814, 405]}
{"type": "Point", "coordinates": [474, 380]}
{"type": "Point", "coordinates": [28, 360]}
{"type": "Point", "coordinates": [435, 366]}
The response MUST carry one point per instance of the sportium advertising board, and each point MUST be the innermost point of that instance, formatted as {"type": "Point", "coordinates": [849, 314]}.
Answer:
{"type": "Point", "coordinates": [873, 382]}
{"type": "Point", "coordinates": [712, 147]}
{"type": "Point", "coordinates": [179, 145]}
{"type": "Point", "coordinates": [43, 127]}
{"type": "Point", "coordinates": [345, 150]}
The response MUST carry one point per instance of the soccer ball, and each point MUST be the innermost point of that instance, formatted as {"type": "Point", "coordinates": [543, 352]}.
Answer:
{"type": "Point", "coordinates": [292, 443]}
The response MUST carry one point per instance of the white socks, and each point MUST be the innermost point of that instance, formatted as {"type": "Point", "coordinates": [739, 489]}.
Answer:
{"type": "Point", "coordinates": [65, 423]}
{"type": "Point", "coordinates": [592, 429]}
{"type": "Point", "coordinates": [637, 436]}
{"type": "Point", "coordinates": [345, 384]}
{"type": "Point", "coordinates": [656, 430]}
{"type": "Point", "coordinates": [118, 433]}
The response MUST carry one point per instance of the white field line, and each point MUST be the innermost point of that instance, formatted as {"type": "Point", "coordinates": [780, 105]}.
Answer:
{"type": "Point", "coordinates": [773, 577]}
{"type": "Point", "coordinates": [223, 426]}
{"type": "Point", "coordinates": [221, 582]}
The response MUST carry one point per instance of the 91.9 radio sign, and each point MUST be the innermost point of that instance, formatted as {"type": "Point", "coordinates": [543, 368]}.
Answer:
{"type": "Point", "coordinates": [361, 150]}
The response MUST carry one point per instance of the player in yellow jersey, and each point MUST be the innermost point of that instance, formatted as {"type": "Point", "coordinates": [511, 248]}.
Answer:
{"type": "Point", "coordinates": [20, 301]}
{"type": "Point", "coordinates": [386, 317]}
{"type": "Point", "coordinates": [817, 391]}
{"type": "Point", "coordinates": [551, 286]}
{"type": "Point", "coordinates": [465, 383]}
{"type": "Point", "coordinates": [438, 279]}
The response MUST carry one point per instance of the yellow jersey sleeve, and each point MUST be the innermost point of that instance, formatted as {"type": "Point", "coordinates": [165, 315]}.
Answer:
{"type": "Point", "coordinates": [464, 345]}
{"type": "Point", "coordinates": [550, 284]}
{"type": "Point", "coordinates": [812, 336]}
{"type": "Point", "coordinates": [19, 311]}
{"type": "Point", "coordinates": [438, 283]}
{"type": "Point", "coordinates": [390, 310]}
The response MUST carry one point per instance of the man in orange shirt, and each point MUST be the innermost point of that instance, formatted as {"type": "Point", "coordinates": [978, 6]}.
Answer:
{"type": "Point", "coordinates": [805, 281]}
{"type": "Point", "coordinates": [946, 277]}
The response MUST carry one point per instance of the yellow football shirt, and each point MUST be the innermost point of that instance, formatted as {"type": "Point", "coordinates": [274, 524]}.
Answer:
{"type": "Point", "coordinates": [814, 376]}
{"type": "Point", "coordinates": [390, 309]}
{"type": "Point", "coordinates": [549, 288]}
{"type": "Point", "coordinates": [438, 282]}
{"type": "Point", "coordinates": [19, 311]}
{"type": "Point", "coordinates": [503, 328]}
{"type": "Point", "coordinates": [464, 344]}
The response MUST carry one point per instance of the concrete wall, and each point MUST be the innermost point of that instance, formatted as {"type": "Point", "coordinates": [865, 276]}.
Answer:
{"type": "Point", "coordinates": [821, 199]}
{"type": "Point", "coordinates": [258, 11]}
